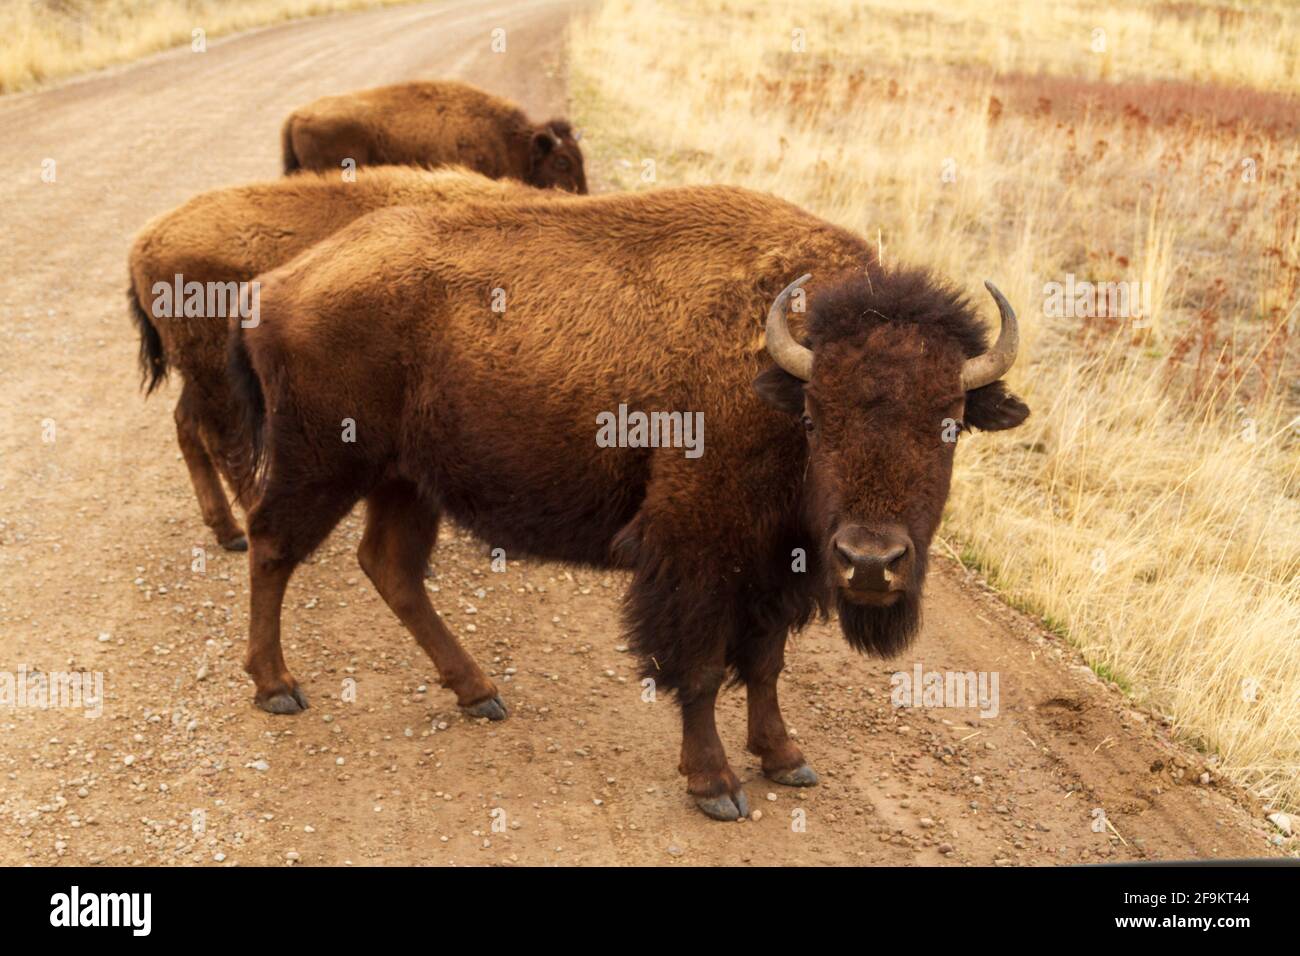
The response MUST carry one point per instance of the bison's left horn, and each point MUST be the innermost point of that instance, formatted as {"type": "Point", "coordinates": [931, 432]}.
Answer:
{"type": "Point", "coordinates": [987, 368]}
{"type": "Point", "coordinates": [781, 345]}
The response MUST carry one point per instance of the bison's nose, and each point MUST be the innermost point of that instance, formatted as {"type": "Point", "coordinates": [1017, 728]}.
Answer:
{"type": "Point", "coordinates": [872, 561]}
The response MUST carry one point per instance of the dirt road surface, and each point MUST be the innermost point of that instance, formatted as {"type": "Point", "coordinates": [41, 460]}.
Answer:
{"type": "Point", "coordinates": [98, 526]}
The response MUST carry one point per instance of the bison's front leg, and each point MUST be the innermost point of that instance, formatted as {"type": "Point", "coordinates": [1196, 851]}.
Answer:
{"type": "Point", "coordinates": [682, 616]}
{"type": "Point", "coordinates": [769, 740]}
{"type": "Point", "coordinates": [709, 777]}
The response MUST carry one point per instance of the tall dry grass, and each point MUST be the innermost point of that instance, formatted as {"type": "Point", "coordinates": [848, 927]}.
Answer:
{"type": "Point", "coordinates": [49, 39]}
{"type": "Point", "coordinates": [1150, 508]}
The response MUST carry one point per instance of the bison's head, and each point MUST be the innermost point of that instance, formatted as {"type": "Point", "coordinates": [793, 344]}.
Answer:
{"type": "Point", "coordinates": [555, 161]}
{"type": "Point", "coordinates": [889, 376]}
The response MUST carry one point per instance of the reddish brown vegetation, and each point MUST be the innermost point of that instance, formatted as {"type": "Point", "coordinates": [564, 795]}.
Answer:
{"type": "Point", "coordinates": [1162, 103]}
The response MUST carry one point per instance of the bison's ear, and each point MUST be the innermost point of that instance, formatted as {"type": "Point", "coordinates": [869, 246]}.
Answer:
{"type": "Point", "coordinates": [993, 408]}
{"type": "Point", "coordinates": [780, 389]}
{"type": "Point", "coordinates": [543, 142]}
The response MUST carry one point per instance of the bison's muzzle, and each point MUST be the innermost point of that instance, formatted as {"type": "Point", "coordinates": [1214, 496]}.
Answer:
{"type": "Point", "coordinates": [872, 568]}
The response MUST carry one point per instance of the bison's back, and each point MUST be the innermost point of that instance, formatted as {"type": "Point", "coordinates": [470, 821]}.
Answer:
{"type": "Point", "coordinates": [425, 124]}
{"type": "Point", "coordinates": [232, 235]}
{"type": "Point", "coordinates": [501, 330]}
{"type": "Point", "coordinates": [660, 296]}
{"type": "Point", "coordinates": [656, 294]}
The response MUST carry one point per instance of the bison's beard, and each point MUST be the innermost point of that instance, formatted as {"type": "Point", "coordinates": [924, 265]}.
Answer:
{"type": "Point", "coordinates": [880, 631]}
{"type": "Point", "coordinates": [884, 631]}
{"type": "Point", "coordinates": [876, 631]}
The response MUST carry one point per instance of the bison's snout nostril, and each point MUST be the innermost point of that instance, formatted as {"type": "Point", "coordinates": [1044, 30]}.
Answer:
{"type": "Point", "coordinates": [894, 558]}
{"type": "Point", "coordinates": [868, 563]}
{"type": "Point", "coordinates": [847, 555]}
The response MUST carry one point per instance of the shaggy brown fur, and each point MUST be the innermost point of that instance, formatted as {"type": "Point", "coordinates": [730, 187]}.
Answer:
{"type": "Point", "coordinates": [231, 235]}
{"type": "Point", "coordinates": [433, 124]}
{"type": "Point", "coordinates": [655, 300]}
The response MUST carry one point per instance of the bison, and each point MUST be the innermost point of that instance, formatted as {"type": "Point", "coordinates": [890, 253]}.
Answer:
{"type": "Point", "coordinates": [433, 124]}
{"type": "Point", "coordinates": [826, 467]}
{"type": "Point", "coordinates": [226, 237]}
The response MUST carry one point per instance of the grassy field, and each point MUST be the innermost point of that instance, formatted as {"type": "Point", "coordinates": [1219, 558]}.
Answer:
{"type": "Point", "coordinates": [48, 39]}
{"type": "Point", "coordinates": [1150, 509]}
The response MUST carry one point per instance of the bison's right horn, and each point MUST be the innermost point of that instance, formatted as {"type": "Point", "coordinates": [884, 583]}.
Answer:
{"type": "Point", "coordinates": [990, 366]}
{"type": "Point", "coordinates": [781, 345]}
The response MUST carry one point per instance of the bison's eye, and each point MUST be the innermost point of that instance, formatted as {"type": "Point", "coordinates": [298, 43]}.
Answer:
{"type": "Point", "coordinates": [562, 164]}
{"type": "Point", "coordinates": [808, 425]}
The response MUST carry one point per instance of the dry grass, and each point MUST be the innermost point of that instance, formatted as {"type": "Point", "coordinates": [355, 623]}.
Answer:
{"type": "Point", "coordinates": [1151, 507]}
{"type": "Point", "coordinates": [49, 39]}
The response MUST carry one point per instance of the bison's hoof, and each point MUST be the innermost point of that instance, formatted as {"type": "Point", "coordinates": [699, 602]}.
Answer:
{"type": "Point", "coordinates": [285, 702]}
{"type": "Point", "coordinates": [725, 807]}
{"type": "Point", "coordinates": [800, 776]}
{"type": "Point", "coordinates": [239, 543]}
{"type": "Point", "coordinates": [493, 709]}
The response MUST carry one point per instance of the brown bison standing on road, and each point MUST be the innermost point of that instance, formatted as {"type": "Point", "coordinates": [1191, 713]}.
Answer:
{"type": "Point", "coordinates": [228, 236]}
{"type": "Point", "coordinates": [821, 483]}
{"type": "Point", "coordinates": [433, 124]}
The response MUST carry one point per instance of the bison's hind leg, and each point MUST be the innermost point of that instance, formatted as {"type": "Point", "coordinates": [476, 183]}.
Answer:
{"type": "Point", "coordinates": [213, 503]}
{"type": "Point", "coordinates": [401, 528]}
{"type": "Point", "coordinates": [281, 532]}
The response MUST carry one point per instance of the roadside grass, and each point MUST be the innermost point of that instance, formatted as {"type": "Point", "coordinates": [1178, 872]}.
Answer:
{"type": "Point", "coordinates": [46, 40]}
{"type": "Point", "coordinates": [1150, 508]}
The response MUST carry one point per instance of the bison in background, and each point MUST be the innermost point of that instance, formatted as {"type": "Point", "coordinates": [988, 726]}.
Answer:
{"type": "Point", "coordinates": [833, 442]}
{"type": "Point", "coordinates": [229, 236]}
{"type": "Point", "coordinates": [433, 124]}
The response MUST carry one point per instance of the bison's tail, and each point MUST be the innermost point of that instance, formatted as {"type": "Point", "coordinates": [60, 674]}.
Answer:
{"type": "Point", "coordinates": [153, 358]}
{"type": "Point", "coordinates": [250, 406]}
{"type": "Point", "coordinates": [287, 154]}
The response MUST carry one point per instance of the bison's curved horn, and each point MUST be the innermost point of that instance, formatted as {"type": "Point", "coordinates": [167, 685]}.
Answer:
{"type": "Point", "coordinates": [781, 345]}
{"type": "Point", "coordinates": [992, 365]}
